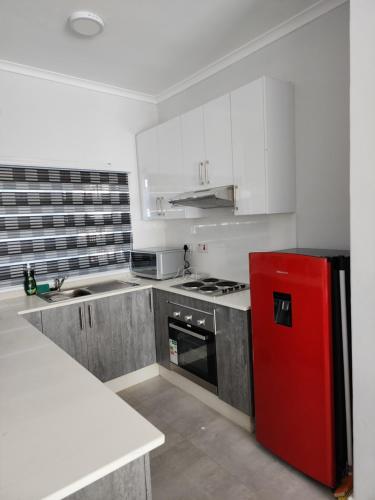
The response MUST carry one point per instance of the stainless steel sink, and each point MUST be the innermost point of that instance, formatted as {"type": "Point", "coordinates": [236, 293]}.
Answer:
{"type": "Point", "coordinates": [57, 296]}
{"type": "Point", "coordinates": [73, 293]}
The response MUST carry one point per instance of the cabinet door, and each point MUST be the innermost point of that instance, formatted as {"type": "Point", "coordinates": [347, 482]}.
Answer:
{"type": "Point", "coordinates": [120, 334]}
{"type": "Point", "coordinates": [218, 170]}
{"type": "Point", "coordinates": [35, 318]}
{"type": "Point", "coordinates": [161, 327]}
{"type": "Point", "coordinates": [148, 159]}
{"type": "Point", "coordinates": [234, 372]}
{"type": "Point", "coordinates": [156, 206]}
{"type": "Point", "coordinates": [170, 155]}
{"type": "Point", "coordinates": [65, 326]}
{"type": "Point", "coordinates": [193, 149]}
{"type": "Point", "coordinates": [248, 135]}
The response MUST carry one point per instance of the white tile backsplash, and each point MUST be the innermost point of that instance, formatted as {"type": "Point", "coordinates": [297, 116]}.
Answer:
{"type": "Point", "coordinates": [230, 239]}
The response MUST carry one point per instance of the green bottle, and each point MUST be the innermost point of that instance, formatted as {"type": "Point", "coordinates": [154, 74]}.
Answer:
{"type": "Point", "coordinates": [29, 283]}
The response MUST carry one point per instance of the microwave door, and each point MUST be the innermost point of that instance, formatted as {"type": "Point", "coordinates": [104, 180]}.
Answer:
{"type": "Point", "coordinates": [144, 264]}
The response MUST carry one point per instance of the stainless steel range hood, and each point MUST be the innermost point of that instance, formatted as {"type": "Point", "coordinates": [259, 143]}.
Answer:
{"type": "Point", "coordinates": [206, 198]}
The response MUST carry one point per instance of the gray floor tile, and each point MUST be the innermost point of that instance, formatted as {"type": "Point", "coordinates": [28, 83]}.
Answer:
{"type": "Point", "coordinates": [207, 457]}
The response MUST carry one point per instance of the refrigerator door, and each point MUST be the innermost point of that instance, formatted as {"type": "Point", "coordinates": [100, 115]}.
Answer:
{"type": "Point", "coordinates": [292, 349]}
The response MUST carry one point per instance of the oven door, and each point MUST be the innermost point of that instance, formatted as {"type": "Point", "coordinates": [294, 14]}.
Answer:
{"type": "Point", "coordinates": [193, 350]}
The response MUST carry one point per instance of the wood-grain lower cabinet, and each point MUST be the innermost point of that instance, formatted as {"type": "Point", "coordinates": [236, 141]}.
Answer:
{"type": "Point", "coordinates": [161, 326]}
{"type": "Point", "coordinates": [65, 326]}
{"type": "Point", "coordinates": [233, 348]}
{"type": "Point", "coordinates": [120, 334]}
{"type": "Point", "coordinates": [35, 318]}
{"type": "Point", "coordinates": [131, 482]}
{"type": "Point", "coordinates": [110, 336]}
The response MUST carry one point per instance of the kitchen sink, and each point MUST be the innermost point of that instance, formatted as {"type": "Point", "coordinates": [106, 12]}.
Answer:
{"type": "Point", "coordinates": [57, 296]}
{"type": "Point", "coordinates": [73, 293]}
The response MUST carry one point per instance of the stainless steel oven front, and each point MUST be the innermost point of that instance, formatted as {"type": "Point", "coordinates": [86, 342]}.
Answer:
{"type": "Point", "coordinates": [192, 346]}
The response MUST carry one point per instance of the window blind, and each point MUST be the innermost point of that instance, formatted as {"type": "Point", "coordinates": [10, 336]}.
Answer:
{"type": "Point", "coordinates": [62, 221]}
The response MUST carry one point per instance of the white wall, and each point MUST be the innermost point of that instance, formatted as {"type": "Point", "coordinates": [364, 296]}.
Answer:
{"type": "Point", "coordinates": [316, 59]}
{"type": "Point", "coordinates": [362, 172]}
{"type": "Point", "coordinates": [230, 239]}
{"type": "Point", "coordinates": [53, 123]}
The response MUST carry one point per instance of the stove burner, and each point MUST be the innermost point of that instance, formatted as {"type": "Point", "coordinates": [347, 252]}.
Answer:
{"type": "Point", "coordinates": [208, 289]}
{"type": "Point", "coordinates": [192, 285]}
{"type": "Point", "coordinates": [210, 280]}
{"type": "Point", "coordinates": [226, 283]}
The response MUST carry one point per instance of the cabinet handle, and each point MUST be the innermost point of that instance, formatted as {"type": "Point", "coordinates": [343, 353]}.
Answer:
{"type": "Point", "coordinates": [150, 300]}
{"type": "Point", "coordinates": [235, 198]}
{"type": "Point", "coordinates": [81, 318]}
{"type": "Point", "coordinates": [200, 170]}
{"type": "Point", "coordinates": [158, 205]}
{"type": "Point", "coordinates": [206, 164]}
{"type": "Point", "coordinates": [90, 315]}
{"type": "Point", "coordinates": [162, 207]}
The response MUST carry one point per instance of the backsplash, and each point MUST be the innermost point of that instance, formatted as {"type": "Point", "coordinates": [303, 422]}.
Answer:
{"type": "Point", "coordinates": [229, 239]}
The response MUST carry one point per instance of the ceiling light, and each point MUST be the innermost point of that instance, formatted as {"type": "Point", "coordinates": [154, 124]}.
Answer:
{"type": "Point", "coordinates": [86, 23]}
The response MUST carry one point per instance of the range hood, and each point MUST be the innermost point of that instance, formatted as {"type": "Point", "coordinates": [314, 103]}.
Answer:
{"type": "Point", "coordinates": [206, 198]}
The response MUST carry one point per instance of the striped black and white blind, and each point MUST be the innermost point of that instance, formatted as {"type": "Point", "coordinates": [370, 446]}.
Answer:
{"type": "Point", "coordinates": [62, 221]}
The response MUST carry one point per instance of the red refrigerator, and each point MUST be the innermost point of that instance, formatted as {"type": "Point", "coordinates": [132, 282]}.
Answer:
{"type": "Point", "coordinates": [300, 314]}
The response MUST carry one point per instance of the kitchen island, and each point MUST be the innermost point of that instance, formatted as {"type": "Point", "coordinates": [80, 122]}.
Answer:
{"type": "Point", "coordinates": [61, 429]}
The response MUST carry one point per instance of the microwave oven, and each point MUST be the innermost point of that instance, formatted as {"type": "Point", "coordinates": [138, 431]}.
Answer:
{"type": "Point", "coordinates": [157, 263]}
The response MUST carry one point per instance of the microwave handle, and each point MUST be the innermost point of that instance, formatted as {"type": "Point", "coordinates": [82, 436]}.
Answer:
{"type": "Point", "coordinates": [188, 332]}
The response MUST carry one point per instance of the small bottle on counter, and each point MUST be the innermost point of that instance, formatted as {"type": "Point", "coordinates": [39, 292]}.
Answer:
{"type": "Point", "coordinates": [29, 283]}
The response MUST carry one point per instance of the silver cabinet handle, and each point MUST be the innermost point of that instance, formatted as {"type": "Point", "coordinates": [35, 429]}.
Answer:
{"type": "Point", "coordinates": [158, 205]}
{"type": "Point", "coordinates": [200, 167]}
{"type": "Point", "coordinates": [81, 318]}
{"type": "Point", "coordinates": [206, 164]}
{"type": "Point", "coordinates": [235, 198]}
{"type": "Point", "coordinates": [90, 316]}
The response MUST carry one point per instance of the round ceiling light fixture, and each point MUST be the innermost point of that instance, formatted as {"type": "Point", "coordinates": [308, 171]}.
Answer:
{"type": "Point", "coordinates": [86, 23]}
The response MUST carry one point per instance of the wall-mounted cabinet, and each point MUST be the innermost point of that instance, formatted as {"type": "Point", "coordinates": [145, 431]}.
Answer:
{"type": "Point", "coordinates": [262, 115]}
{"type": "Point", "coordinates": [245, 138]}
{"type": "Point", "coordinates": [207, 145]}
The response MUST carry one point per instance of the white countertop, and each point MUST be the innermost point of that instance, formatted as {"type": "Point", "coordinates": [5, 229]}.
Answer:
{"type": "Point", "coordinates": [60, 427]}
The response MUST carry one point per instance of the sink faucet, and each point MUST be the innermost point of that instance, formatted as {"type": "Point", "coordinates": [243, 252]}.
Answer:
{"type": "Point", "coordinates": [59, 282]}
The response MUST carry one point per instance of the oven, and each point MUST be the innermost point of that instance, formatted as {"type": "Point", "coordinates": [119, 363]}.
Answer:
{"type": "Point", "coordinates": [192, 346]}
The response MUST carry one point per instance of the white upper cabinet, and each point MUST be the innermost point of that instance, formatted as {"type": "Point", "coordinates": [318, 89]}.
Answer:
{"type": "Point", "coordinates": [262, 114]}
{"type": "Point", "coordinates": [217, 168]}
{"type": "Point", "coordinates": [160, 172]}
{"type": "Point", "coordinates": [170, 154]}
{"type": "Point", "coordinates": [193, 149]}
{"type": "Point", "coordinates": [148, 157]}
{"type": "Point", "coordinates": [207, 145]}
{"type": "Point", "coordinates": [245, 138]}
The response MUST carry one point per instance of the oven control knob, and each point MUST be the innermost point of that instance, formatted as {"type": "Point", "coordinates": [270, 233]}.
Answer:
{"type": "Point", "coordinates": [188, 317]}
{"type": "Point", "coordinates": [176, 314]}
{"type": "Point", "coordinates": [201, 322]}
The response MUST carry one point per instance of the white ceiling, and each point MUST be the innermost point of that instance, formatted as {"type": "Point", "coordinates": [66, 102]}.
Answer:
{"type": "Point", "coordinates": [147, 45]}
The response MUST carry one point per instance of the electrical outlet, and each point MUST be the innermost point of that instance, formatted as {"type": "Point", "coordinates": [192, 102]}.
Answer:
{"type": "Point", "coordinates": [202, 247]}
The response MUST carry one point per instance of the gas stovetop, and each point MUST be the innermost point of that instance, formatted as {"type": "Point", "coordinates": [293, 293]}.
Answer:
{"type": "Point", "coordinates": [212, 286]}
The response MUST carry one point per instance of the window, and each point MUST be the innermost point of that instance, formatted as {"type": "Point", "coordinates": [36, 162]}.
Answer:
{"type": "Point", "coordinates": [62, 222]}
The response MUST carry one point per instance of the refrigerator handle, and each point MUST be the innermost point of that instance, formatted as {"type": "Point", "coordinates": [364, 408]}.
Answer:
{"type": "Point", "coordinates": [345, 349]}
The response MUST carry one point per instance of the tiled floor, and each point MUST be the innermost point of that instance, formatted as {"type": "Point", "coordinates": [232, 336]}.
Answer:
{"type": "Point", "coordinates": [208, 457]}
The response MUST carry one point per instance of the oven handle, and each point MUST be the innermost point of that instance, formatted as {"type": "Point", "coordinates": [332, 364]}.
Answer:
{"type": "Point", "coordinates": [188, 332]}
